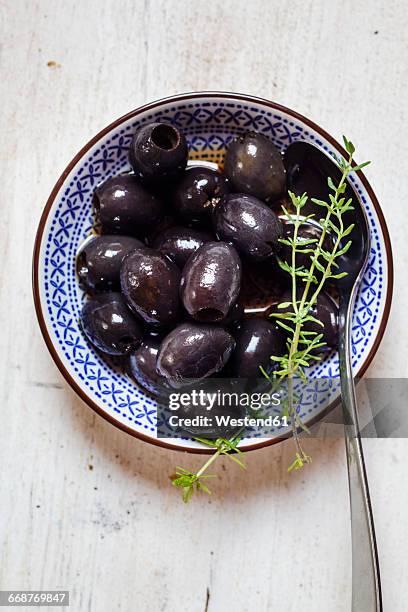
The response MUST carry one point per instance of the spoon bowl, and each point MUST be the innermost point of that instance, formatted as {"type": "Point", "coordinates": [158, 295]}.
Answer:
{"type": "Point", "coordinates": [308, 169]}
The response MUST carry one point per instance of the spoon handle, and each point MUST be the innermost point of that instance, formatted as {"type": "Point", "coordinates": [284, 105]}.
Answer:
{"type": "Point", "coordinates": [366, 583]}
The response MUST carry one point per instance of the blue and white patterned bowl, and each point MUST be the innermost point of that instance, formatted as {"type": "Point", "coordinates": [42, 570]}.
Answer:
{"type": "Point", "coordinates": [209, 121]}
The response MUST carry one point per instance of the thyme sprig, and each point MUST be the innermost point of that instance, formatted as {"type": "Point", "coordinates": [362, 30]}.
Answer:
{"type": "Point", "coordinates": [193, 481]}
{"type": "Point", "coordinates": [301, 342]}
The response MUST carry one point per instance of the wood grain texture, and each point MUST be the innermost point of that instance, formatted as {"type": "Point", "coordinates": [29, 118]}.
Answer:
{"type": "Point", "coordinates": [87, 508]}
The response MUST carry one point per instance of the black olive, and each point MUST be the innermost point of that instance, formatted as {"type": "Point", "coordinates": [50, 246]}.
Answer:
{"type": "Point", "coordinates": [307, 231]}
{"type": "Point", "coordinates": [211, 281]}
{"type": "Point", "coordinates": [198, 192]}
{"type": "Point", "coordinates": [142, 364]}
{"type": "Point", "coordinates": [158, 152]}
{"type": "Point", "coordinates": [150, 283]}
{"type": "Point", "coordinates": [256, 340]}
{"type": "Point", "coordinates": [325, 310]}
{"type": "Point", "coordinates": [249, 224]}
{"type": "Point", "coordinates": [254, 165]}
{"type": "Point", "coordinates": [179, 243]}
{"type": "Point", "coordinates": [109, 325]}
{"type": "Point", "coordinates": [192, 352]}
{"type": "Point", "coordinates": [123, 206]}
{"type": "Point", "coordinates": [99, 260]}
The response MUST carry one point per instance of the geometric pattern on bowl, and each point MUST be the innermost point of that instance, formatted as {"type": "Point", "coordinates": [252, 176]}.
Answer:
{"type": "Point", "coordinates": [208, 121]}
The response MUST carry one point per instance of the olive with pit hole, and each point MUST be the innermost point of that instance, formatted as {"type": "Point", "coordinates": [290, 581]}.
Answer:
{"type": "Point", "coordinates": [158, 152]}
{"type": "Point", "coordinates": [211, 281]}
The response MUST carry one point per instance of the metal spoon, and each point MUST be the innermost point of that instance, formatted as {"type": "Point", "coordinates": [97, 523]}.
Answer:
{"type": "Point", "coordinates": [308, 168]}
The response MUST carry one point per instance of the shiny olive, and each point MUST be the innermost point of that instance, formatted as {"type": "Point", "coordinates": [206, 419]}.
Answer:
{"type": "Point", "coordinates": [256, 341]}
{"type": "Point", "coordinates": [150, 283]}
{"type": "Point", "coordinates": [123, 206]}
{"type": "Point", "coordinates": [198, 191]}
{"type": "Point", "coordinates": [211, 281]}
{"type": "Point", "coordinates": [192, 352]}
{"type": "Point", "coordinates": [307, 231]}
{"type": "Point", "coordinates": [109, 325]}
{"type": "Point", "coordinates": [249, 224]}
{"type": "Point", "coordinates": [142, 364]}
{"type": "Point", "coordinates": [326, 311]}
{"type": "Point", "coordinates": [179, 243]}
{"type": "Point", "coordinates": [254, 165]}
{"type": "Point", "coordinates": [99, 260]}
{"type": "Point", "coordinates": [158, 152]}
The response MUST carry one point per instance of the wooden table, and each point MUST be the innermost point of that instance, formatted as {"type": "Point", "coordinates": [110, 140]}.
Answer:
{"type": "Point", "coordinates": [87, 508]}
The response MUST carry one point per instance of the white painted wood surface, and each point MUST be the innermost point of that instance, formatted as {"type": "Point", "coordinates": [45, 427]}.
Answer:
{"type": "Point", "coordinates": [117, 535]}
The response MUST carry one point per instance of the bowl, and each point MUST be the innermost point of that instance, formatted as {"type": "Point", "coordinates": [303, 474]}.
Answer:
{"type": "Point", "coordinates": [209, 120]}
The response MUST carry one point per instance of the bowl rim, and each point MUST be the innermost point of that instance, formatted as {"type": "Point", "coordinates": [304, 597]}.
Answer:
{"type": "Point", "coordinates": [247, 98]}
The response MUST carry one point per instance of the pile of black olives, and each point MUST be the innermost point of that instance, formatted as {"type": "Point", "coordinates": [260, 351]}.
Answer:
{"type": "Point", "coordinates": [183, 273]}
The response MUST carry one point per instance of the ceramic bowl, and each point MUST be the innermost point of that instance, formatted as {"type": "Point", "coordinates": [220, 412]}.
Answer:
{"type": "Point", "coordinates": [209, 121]}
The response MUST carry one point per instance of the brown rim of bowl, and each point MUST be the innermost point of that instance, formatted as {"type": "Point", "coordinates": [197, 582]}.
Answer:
{"type": "Point", "coordinates": [179, 98]}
